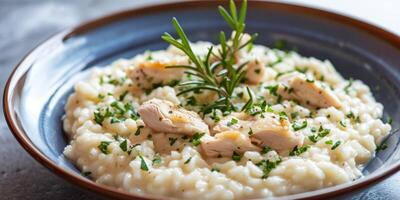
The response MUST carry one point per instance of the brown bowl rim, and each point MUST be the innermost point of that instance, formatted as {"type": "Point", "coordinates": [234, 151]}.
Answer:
{"type": "Point", "coordinates": [24, 65]}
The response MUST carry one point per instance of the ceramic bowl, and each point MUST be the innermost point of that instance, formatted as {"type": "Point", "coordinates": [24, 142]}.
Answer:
{"type": "Point", "coordinates": [37, 90]}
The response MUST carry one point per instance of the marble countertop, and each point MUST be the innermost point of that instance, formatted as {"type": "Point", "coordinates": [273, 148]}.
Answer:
{"type": "Point", "coordinates": [25, 23]}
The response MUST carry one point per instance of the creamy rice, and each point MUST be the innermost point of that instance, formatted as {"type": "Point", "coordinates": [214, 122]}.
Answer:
{"type": "Point", "coordinates": [185, 173]}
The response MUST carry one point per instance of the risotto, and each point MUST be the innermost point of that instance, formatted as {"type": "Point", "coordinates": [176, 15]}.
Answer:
{"type": "Point", "coordinates": [233, 120]}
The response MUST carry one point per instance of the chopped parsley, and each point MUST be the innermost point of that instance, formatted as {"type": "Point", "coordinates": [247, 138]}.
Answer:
{"type": "Point", "coordinates": [137, 132]}
{"type": "Point", "coordinates": [294, 115]}
{"type": "Point", "coordinates": [297, 126]}
{"type": "Point", "coordinates": [143, 165]}
{"type": "Point", "coordinates": [330, 142]}
{"type": "Point", "coordinates": [116, 82]}
{"type": "Point", "coordinates": [313, 129]}
{"type": "Point", "coordinates": [233, 121]}
{"type": "Point", "coordinates": [303, 71]}
{"type": "Point", "coordinates": [250, 132]}
{"type": "Point", "coordinates": [321, 133]}
{"type": "Point", "coordinates": [156, 159]}
{"type": "Point", "coordinates": [347, 87]}
{"type": "Point", "coordinates": [172, 141]}
{"type": "Point", "coordinates": [116, 112]}
{"type": "Point", "coordinates": [149, 57]}
{"type": "Point", "coordinates": [343, 124]}
{"type": "Point", "coordinates": [195, 140]}
{"type": "Point", "coordinates": [280, 44]}
{"type": "Point", "coordinates": [272, 89]}
{"type": "Point", "coordinates": [215, 169]}
{"type": "Point", "coordinates": [381, 147]}
{"type": "Point", "coordinates": [187, 161]}
{"type": "Point", "coordinates": [101, 81]}
{"type": "Point", "coordinates": [389, 120]}
{"type": "Point", "coordinates": [353, 118]}
{"type": "Point", "coordinates": [114, 120]}
{"type": "Point", "coordinates": [236, 157]}
{"type": "Point", "coordinates": [334, 146]}
{"type": "Point", "coordinates": [86, 173]}
{"type": "Point", "coordinates": [124, 145]}
{"type": "Point", "coordinates": [283, 116]}
{"type": "Point", "coordinates": [123, 95]}
{"type": "Point", "coordinates": [101, 96]}
{"type": "Point", "coordinates": [100, 116]}
{"type": "Point", "coordinates": [258, 108]}
{"type": "Point", "coordinates": [267, 166]}
{"type": "Point", "coordinates": [103, 146]}
{"type": "Point", "coordinates": [257, 71]}
{"type": "Point", "coordinates": [191, 101]}
{"type": "Point", "coordinates": [310, 80]}
{"type": "Point", "coordinates": [266, 149]}
{"type": "Point", "coordinates": [298, 150]}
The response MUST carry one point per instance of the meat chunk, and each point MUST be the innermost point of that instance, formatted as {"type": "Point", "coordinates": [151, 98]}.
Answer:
{"type": "Point", "coordinates": [255, 71]}
{"type": "Point", "coordinates": [165, 143]}
{"type": "Point", "coordinates": [165, 117]}
{"type": "Point", "coordinates": [224, 144]}
{"type": "Point", "coordinates": [150, 72]}
{"type": "Point", "coordinates": [274, 132]}
{"type": "Point", "coordinates": [269, 130]}
{"type": "Point", "coordinates": [307, 92]}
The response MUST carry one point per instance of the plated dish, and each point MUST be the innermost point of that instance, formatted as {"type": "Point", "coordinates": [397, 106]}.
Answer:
{"type": "Point", "coordinates": [232, 120]}
{"type": "Point", "coordinates": [343, 48]}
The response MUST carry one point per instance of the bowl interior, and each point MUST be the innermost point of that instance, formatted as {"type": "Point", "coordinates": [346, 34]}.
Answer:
{"type": "Point", "coordinates": [44, 88]}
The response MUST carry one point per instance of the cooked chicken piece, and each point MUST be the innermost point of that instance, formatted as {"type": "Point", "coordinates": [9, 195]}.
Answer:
{"type": "Point", "coordinates": [165, 117]}
{"type": "Point", "coordinates": [274, 132]}
{"type": "Point", "coordinates": [165, 143]}
{"type": "Point", "coordinates": [255, 71]}
{"type": "Point", "coordinates": [269, 130]}
{"type": "Point", "coordinates": [150, 72]}
{"type": "Point", "coordinates": [307, 92]}
{"type": "Point", "coordinates": [224, 144]}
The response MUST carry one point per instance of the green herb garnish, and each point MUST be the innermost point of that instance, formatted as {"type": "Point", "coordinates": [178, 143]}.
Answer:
{"type": "Point", "coordinates": [334, 146]}
{"type": "Point", "coordinates": [321, 133]}
{"type": "Point", "coordinates": [381, 147]}
{"type": "Point", "coordinates": [156, 159]}
{"type": "Point", "coordinates": [137, 132]}
{"type": "Point", "coordinates": [195, 140]}
{"type": "Point", "coordinates": [103, 146]}
{"type": "Point", "coordinates": [298, 150]}
{"type": "Point", "coordinates": [123, 95]}
{"type": "Point", "coordinates": [236, 157]}
{"type": "Point", "coordinates": [224, 80]}
{"type": "Point", "coordinates": [353, 118]}
{"type": "Point", "coordinates": [329, 142]}
{"type": "Point", "coordinates": [215, 169]}
{"type": "Point", "coordinates": [347, 87]}
{"type": "Point", "coordinates": [86, 173]}
{"type": "Point", "coordinates": [187, 161]}
{"type": "Point", "coordinates": [266, 149]}
{"type": "Point", "coordinates": [143, 165]}
{"type": "Point", "coordinates": [267, 166]}
{"type": "Point", "coordinates": [124, 145]}
{"type": "Point", "coordinates": [172, 141]}
{"type": "Point", "coordinates": [272, 89]}
{"type": "Point", "coordinates": [233, 121]}
{"type": "Point", "coordinates": [342, 124]}
{"type": "Point", "coordinates": [297, 126]}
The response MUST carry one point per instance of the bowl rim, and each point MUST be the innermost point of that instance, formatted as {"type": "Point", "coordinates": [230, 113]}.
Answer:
{"type": "Point", "coordinates": [24, 65]}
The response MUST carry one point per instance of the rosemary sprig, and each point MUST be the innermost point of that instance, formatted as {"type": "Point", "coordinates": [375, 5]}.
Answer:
{"type": "Point", "coordinates": [222, 76]}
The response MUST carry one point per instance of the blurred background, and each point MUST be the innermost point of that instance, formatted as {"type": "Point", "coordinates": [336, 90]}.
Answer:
{"type": "Point", "coordinates": [26, 23]}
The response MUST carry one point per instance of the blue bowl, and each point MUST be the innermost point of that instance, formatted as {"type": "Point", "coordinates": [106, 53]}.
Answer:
{"type": "Point", "coordinates": [37, 90]}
